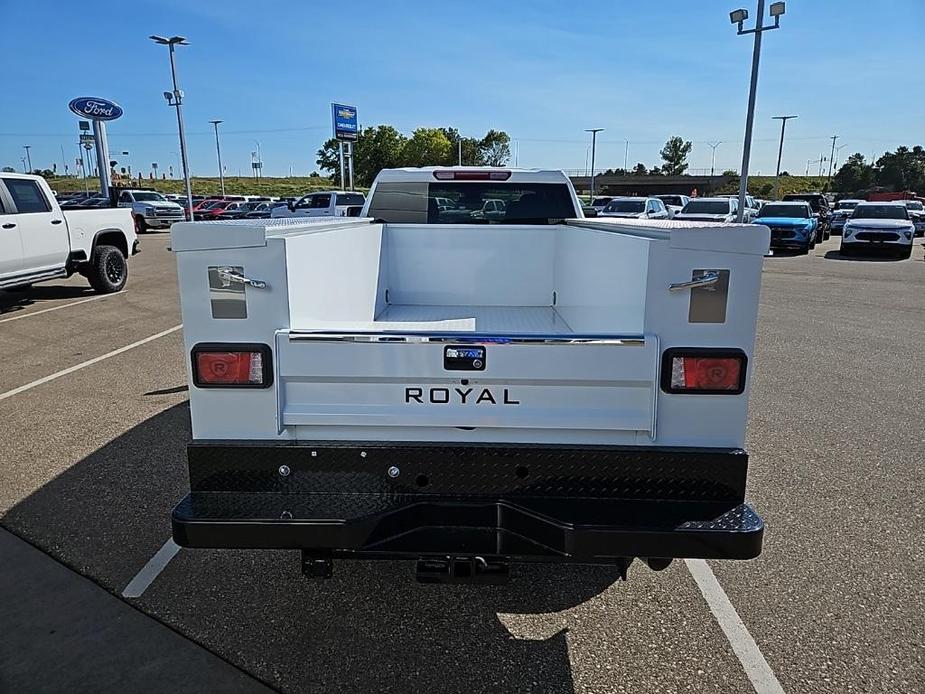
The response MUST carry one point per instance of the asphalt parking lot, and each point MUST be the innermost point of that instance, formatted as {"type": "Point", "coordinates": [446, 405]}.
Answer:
{"type": "Point", "coordinates": [93, 461]}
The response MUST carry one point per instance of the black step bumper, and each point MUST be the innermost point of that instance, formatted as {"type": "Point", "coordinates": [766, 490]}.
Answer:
{"type": "Point", "coordinates": [530, 502]}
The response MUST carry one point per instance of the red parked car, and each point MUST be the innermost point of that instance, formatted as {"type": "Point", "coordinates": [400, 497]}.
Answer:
{"type": "Point", "coordinates": [215, 210]}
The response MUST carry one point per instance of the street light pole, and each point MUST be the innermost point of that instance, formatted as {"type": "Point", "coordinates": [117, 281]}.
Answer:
{"type": "Point", "coordinates": [594, 132]}
{"type": "Point", "coordinates": [28, 157]}
{"type": "Point", "coordinates": [780, 151]}
{"type": "Point", "coordinates": [218, 151]}
{"type": "Point", "coordinates": [739, 17]}
{"type": "Point", "coordinates": [626, 153]}
{"type": "Point", "coordinates": [176, 99]}
{"type": "Point", "coordinates": [714, 145]}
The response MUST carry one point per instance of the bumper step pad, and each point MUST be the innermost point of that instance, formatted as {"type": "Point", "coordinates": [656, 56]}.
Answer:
{"type": "Point", "coordinates": [530, 503]}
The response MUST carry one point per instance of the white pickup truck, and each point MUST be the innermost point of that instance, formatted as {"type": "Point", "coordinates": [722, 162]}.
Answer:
{"type": "Point", "coordinates": [39, 242]}
{"type": "Point", "coordinates": [329, 203]}
{"type": "Point", "coordinates": [427, 383]}
{"type": "Point", "coordinates": [151, 210]}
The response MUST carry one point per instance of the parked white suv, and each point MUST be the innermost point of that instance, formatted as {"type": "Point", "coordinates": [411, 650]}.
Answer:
{"type": "Point", "coordinates": [709, 210]}
{"type": "Point", "coordinates": [635, 208]}
{"type": "Point", "coordinates": [878, 226]}
{"type": "Point", "coordinates": [151, 210]}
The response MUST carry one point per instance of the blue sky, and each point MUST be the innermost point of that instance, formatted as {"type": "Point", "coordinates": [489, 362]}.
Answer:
{"type": "Point", "coordinates": [543, 70]}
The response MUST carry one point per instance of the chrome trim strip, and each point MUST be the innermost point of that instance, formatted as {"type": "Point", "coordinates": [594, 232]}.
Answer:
{"type": "Point", "coordinates": [474, 338]}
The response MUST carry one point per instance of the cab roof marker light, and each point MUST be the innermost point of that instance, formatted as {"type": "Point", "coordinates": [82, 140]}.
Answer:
{"type": "Point", "coordinates": [451, 175]}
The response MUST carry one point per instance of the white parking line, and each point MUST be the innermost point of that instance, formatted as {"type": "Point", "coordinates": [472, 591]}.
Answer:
{"type": "Point", "coordinates": [743, 645]}
{"type": "Point", "coordinates": [144, 578]}
{"type": "Point", "coordinates": [85, 364]}
{"type": "Point", "coordinates": [55, 308]}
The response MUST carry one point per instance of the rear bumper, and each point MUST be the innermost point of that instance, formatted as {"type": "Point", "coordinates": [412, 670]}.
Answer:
{"type": "Point", "coordinates": [529, 503]}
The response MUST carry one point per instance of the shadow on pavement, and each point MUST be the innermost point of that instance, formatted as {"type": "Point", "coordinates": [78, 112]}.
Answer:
{"type": "Point", "coordinates": [369, 628]}
{"type": "Point", "coordinates": [881, 258]}
{"type": "Point", "coordinates": [15, 300]}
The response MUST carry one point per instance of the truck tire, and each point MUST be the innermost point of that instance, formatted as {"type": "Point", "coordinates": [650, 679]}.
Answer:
{"type": "Point", "coordinates": [108, 270]}
{"type": "Point", "coordinates": [141, 226]}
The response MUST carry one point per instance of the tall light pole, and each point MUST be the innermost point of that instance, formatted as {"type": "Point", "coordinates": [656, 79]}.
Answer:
{"type": "Point", "coordinates": [626, 154]}
{"type": "Point", "coordinates": [28, 157]}
{"type": "Point", "coordinates": [714, 145]}
{"type": "Point", "coordinates": [738, 17]}
{"type": "Point", "coordinates": [594, 132]}
{"type": "Point", "coordinates": [831, 158]}
{"type": "Point", "coordinates": [175, 98]}
{"type": "Point", "coordinates": [259, 171]}
{"type": "Point", "coordinates": [218, 151]}
{"type": "Point", "coordinates": [780, 151]}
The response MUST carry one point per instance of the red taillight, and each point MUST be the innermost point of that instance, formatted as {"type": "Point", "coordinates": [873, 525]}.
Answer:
{"type": "Point", "coordinates": [244, 366]}
{"type": "Point", "coordinates": [451, 175]}
{"type": "Point", "coordinates": [703, 371]}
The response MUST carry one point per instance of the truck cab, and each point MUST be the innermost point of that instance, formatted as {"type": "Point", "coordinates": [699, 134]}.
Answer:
{"type": "Point", "coordinates": [427, 383]}
{"type": "Point", "coordinates": [331, 203]}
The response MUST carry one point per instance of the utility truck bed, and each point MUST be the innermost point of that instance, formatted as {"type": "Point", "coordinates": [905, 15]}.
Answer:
{"type": "Point", "coordinates": [468, 394]}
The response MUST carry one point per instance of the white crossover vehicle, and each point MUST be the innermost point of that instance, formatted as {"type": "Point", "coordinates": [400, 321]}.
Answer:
{"type": "Point", "coordinates": [709, 210]}
{"type": "Point", "coordinates": [636, 208]}
{"type": "Point", "coordinates": [878, 226]}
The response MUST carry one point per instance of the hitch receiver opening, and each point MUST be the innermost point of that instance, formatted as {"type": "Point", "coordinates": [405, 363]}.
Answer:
{"type": "Point", "coordinates": [463, 570]}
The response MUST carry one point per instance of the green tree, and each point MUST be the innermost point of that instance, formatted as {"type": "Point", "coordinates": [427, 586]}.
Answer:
{"type": "Point", "coordinates": [427, 147]}
{"type": "Point", "coordinates": [471, 149]}
{"type": "Point", "coordinates": [640, 170]}
{"type": "Point", "coordinates": [854, 175]}
{"type": "Point", "coordinates": [329, 160]}
{"type": "Point", "coordinates": [903, 169]}
{"type": "Point", "coordinates": [495, 148]}
{"type": "Point", "coordinates": [377, 148]}
{"type": "Point", "coordinates": [674, 154]}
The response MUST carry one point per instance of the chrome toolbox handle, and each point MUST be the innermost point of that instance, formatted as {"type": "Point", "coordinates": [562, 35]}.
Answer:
{"type": "Point", "coordinates": [228, 276]}
{"type": "Point", "coordinates": [708, 279]}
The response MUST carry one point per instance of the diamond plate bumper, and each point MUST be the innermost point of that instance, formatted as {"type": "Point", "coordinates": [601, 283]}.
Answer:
{"type": "Point", "coordinates": [530, 503]}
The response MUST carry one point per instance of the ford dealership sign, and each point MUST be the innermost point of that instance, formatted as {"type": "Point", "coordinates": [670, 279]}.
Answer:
{"type": "Point", "coordinates": [95, 108]}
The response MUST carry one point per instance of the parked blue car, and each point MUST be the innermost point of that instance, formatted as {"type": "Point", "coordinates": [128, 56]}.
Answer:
{"type": "Point", "coordinates": [792, 225]}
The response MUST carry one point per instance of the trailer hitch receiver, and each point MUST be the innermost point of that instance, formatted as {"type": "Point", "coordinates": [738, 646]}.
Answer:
{"type": "Point", "coordinates": [455, 569]}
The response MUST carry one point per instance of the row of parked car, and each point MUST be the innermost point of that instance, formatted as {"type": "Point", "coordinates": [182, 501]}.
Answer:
{"type": "Point", "coordinates": [152, 210]}
{"type": "Point", "coordinates": [798, 222]}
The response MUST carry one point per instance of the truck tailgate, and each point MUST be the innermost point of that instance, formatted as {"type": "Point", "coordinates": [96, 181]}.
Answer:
{"type": "Point", "coordinates": [382, 379]}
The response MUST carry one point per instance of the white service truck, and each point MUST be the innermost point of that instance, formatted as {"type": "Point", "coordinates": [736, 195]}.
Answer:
{"type": "Point", "coordinates": [329, 203]}
{"type": "Point", "coordinates": [432, 384]}
{"type": "Point", "coordinates": [151, 210]}
{"type": "Point", "coordinates": [39, 242]}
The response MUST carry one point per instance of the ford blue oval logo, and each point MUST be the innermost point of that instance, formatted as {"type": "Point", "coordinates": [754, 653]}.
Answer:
{"type": "Point", "coordinates": [95, 108]}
